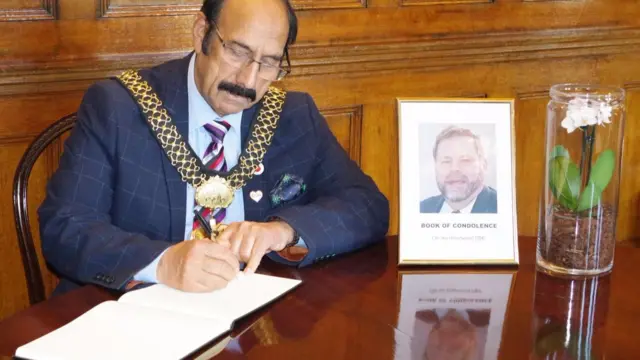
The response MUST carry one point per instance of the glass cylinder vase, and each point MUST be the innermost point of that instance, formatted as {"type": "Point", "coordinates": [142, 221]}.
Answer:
{"type": "Point", "coordinates": [578, 209]}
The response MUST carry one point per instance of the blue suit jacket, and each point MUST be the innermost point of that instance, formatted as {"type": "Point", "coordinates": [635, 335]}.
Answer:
{"type": "Point", "coordinates": [115, 202]}
{"type": "Point", "coordinates": [486, 202]}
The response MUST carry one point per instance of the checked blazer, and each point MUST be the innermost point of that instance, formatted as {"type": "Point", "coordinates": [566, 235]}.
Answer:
{"type": "Point", "coordinates": [115, 202]}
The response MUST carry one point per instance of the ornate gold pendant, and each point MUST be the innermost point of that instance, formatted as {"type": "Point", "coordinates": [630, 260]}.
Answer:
{"type": "Point", "coordinates": [214, 193]}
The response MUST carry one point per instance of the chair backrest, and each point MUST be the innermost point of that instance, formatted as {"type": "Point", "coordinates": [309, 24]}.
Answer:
{"type": "Point", "coordinates": [35, 283]}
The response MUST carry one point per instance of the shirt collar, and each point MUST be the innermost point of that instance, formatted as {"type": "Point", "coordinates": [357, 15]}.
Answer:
{"type": "Point", "coordinates": [466, 210]}
{"type": "Point", "coordinates": [200, 112]}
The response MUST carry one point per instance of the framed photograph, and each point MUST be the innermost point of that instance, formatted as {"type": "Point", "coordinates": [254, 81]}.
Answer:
{"type": "Point", "coordinates": [457, 182]}
{"type": "Point", "coordinates": [451, 316]}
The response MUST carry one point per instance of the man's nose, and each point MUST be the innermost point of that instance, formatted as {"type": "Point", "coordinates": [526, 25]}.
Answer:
{"type": "Point", "coordinates": [455, 166]}
{"type": "Point", "coordinates": [248, 75]}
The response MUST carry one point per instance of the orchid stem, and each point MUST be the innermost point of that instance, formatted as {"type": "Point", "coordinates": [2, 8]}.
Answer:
{"type": "Point", "coordinates": [588, 138]}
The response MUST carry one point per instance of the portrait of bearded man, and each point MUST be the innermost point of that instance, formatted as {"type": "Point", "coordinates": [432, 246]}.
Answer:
{"type": "Point", "coordinates": [460, 168]}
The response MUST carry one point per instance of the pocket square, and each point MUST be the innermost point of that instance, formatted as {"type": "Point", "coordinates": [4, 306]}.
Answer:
{"type": "Point", "coordinates": [288, 188]}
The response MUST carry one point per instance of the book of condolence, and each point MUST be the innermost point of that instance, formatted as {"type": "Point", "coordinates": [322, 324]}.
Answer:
{"type": "Point", "coordinates": [156, 322]}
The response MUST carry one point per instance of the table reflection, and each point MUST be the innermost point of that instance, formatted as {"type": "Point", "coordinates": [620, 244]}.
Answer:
{"type": "Point", "coordinates": [569, 317]}
{"type": "Point", "coordinates": [452, 316]}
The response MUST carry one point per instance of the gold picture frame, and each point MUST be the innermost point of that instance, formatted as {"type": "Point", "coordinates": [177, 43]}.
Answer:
{"type": "Point", "coordinates": [457, 203]}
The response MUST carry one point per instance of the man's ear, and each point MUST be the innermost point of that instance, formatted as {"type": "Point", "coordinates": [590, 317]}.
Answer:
{"type": "Point", "coordinates": [200, 27]}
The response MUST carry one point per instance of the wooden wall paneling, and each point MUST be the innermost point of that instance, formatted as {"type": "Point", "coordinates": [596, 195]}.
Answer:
{"type": "Point", "coordinates": [321, 59]}
{"type": "Point", "coordinates": [137, 8]}
{"type": "Point", "coordinates": [23, 10]}
{"type": "Point", "coordinates": [380, 152]}
{"type": "Point", "coordinates": [328, 4]}
{"type": "Point", "coordinates": [12, 275]}
{"type": "Point", "coordinates": [460, 50]}
{"type": "Point", "coordinates": [346, 125]}
{"type": "Point", "coordinates": [628, 227]}
{"type": "Point", "coordinates": [23, 117]}
{"type": "Point", "coordinates": [621, 69]}
{"type": "Point", "coordinates": [13, 290]}
{"type": "Point", "coordinates": [76, 40]}
{"type": "Point", "coordinates": [530, 163]}
{"type": "Point", "coordinates": [28, 115]}
{"type": "Point", "coordinates": [441, 2]}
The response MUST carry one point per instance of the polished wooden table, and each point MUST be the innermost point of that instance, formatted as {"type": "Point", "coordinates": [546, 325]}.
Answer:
{"type": "Point", "coordinates": [362, 306]}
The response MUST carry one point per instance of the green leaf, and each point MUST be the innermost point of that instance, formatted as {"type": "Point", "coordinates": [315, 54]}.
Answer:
{"type": "Point", "coordinates": [601, 174]}
{"type": "Point", "coordinates": [559, 150]}
{"type": "Point", "coordinates": [564, 179]}
{"type": "Point", "coordinates": [602, 170]}
{"type": "Point", "coordinates": [589, 198]}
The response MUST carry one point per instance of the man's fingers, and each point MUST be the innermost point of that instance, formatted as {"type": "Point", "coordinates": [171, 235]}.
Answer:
{"type": "Point", "coordinates": [222, 243]}
{"type": "Point", "coordinates": [227, 234]}
{"type": "Point", "coordinates": [209, 282]}
{"type": "Point", "coordinates": [218, 252]}
{"type": "Point", "coordinates": [220, 268]}
{"type": "Point", "coordinates": [256, 256]}
{"type": "Point", "coordinates": [246, 247]}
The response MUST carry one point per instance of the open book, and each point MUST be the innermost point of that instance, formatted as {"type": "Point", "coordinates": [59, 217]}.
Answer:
{"type": "Point", "coordinates": [156, 322]}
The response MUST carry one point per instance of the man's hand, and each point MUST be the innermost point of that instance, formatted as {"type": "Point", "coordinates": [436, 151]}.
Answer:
{"type": "Point", "coordinates": [250, 241]}
{"type": "Point", "coordinates": [197, 266]}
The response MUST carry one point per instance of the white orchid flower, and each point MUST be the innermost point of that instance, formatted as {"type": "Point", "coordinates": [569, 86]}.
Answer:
{"type": "Point", "coordinates": [581, 112]}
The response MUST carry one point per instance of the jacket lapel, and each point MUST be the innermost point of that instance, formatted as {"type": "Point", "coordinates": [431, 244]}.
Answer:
{"type": "Point", "coordinates": [440, 203]}
{"type": "Point", "coordinates": [253, 210]}
{"type": "Point", "coordinates": [481, 202]}
{"type": "Point", "coordinates": [172, 90]}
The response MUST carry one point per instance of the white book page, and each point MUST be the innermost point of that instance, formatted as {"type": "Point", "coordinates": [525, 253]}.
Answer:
{"type": "Point", "coordinates": [241, 296]}
{"type": "Point", "coordinates": [113, 330]}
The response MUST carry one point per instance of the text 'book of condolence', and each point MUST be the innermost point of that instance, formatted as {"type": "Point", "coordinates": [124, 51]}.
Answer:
{"type": "Point", "coordinates": [157, 322]}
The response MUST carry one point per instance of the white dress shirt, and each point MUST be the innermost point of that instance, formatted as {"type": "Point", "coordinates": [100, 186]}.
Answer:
{"type": "Point", "coordinates": [201, 113]}
{"type": "Point", "coordinates": [446, 209]}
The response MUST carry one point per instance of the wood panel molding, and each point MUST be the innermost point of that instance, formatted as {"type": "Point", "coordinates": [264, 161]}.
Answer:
{"type": "Point", "coordinates": [46, 11]}
{"type": "Point", "coordinates": [328, 4]}
{"type": "Point", "coordinates": [632, 85]}
{"type": "Point", "coordinates": [354, 115]}
{"type": "Point", "coordinates": [351, 58]}
{"type": "Point", "coordinates": [532, 94]}
{"type": "Point", "coordinates": [442, 2]}
{"type": "Point", "coordinates": [111, 9]}
{"type": "Point", "coordinates": [462, 49]}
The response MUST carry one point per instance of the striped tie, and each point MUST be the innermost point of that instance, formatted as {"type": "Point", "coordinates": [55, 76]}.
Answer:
{"type": "Point", "coordinates": [213, 159]}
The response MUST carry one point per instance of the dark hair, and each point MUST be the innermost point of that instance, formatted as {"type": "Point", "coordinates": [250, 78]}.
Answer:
{"type": "Point", "coordinates": [211, 9]}
{"type": "Point", "coordinates": [454, 131]}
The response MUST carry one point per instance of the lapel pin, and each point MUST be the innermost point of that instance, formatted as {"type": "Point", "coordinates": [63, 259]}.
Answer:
{"type": "Point", "coordinates": [259, 169]}
{"type": "Point", "coordinates": [255, 195]}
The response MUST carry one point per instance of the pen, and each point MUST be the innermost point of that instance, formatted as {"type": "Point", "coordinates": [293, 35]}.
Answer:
{"type": "Point", "coordinates": [204, 223]}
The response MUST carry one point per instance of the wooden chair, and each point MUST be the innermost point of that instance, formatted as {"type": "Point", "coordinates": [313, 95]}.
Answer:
{"type": "Point", "coordinates": [35, 283]}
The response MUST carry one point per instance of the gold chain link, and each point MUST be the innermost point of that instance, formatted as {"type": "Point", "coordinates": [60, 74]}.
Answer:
{"type": "Point", "coordinates": [178, 152]}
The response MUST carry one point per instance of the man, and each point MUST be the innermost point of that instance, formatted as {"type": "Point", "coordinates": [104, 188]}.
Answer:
{"type": "Point", "coordinates": [118, 209]}
{"type": "Point", "coordinates": [460, 166]}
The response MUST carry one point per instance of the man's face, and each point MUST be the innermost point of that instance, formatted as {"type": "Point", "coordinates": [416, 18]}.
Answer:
{"type": "Point", "coordinates": [459, 169]}
{"type": "Point", "coordinates": [257, 28]}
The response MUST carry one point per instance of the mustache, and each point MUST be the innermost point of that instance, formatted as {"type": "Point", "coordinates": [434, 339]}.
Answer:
{"type": "Point", "coordinates": [451, 178]}
{"type": "Point", "coordinates": [238, 90]}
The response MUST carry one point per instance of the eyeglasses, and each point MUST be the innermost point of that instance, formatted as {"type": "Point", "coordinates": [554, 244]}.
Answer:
{"type": "Point", "coordinates": [240, 57]}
